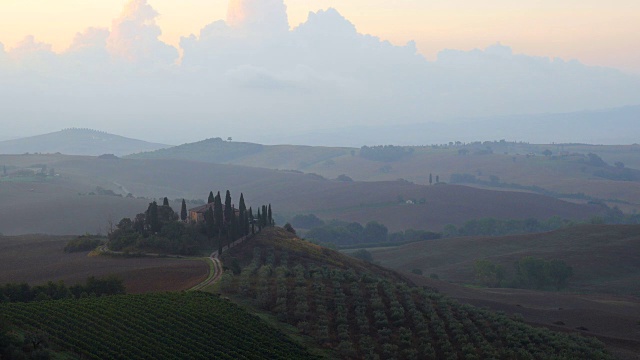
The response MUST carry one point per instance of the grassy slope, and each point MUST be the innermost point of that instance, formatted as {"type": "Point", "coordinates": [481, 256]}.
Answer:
{"type": "Point", "coordinates": [36, 259]}
{"type": "Point", "coordinates": [360, 310]}
{"type": "Point", "coordinates": [62, 210]}
{"type": "Point", "coordinates": [605, 258]}
{"type": "Point", "coordinates": [167, 326]}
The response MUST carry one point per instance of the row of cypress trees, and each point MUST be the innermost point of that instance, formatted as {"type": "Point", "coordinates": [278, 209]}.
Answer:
{"type": "Point", "coordinates": [225, 220]}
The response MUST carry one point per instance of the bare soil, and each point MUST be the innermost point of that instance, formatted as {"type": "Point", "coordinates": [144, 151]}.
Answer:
{"type": "Point", "coordinates": [37, 259]}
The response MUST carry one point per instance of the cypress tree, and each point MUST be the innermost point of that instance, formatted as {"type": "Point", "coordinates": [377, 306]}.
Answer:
{"type": "Point", "coordinates": [259, 221]}
{"type": "Point", "coordinates": [270, 217]}
{"type": "Point", "coordinates": [227, 207]}
{"type": "Point", "coordinates": [242, 226]}
{"type": "Point", "coordinates": [211, 198]}
{"type": "Point", "coordinates": [183, 211]}
{"type": "Point", "coordinates": [217, 212]}
{"type": "Point", "coordinates": [165, 202]}
{"type": "Point", "coordinates": [252, 221]}
{"type": "Point", "coordinates": [430, 179]}
{"type": "Point", "coordinates": [153, 223]}
{"type": "Point", "coordinates": [437, 179]}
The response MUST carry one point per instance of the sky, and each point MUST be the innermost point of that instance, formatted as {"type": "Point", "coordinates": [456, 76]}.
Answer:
{"type": "Point", "coordinates": [602, 33]}
{"type": "Point", "coordinates": [256, 70]}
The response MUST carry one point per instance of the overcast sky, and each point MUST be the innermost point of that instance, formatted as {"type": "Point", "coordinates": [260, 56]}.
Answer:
{"type": "Point", "coordinates": [177, 71]}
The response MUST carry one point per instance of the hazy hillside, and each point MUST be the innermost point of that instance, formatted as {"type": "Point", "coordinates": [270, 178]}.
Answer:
{"type": "Point", "coordinates": [606, 126]}
{"type": "Point", "coordinates": [359, 310]}
{"type": "Point", "coordinates": [64, 204]}
{"type": "Point", "coordinates": [605, 258]}
{"type": "Point", "coordinates": [77, 142]}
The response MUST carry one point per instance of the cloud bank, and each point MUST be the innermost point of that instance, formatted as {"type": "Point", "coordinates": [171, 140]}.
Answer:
{"type": "Point", "coordinates": [251, 75]}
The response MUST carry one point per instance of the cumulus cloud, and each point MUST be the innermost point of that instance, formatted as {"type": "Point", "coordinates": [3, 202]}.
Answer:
{"type": "Point", "coordinates": [258, 16]}
{"type": "Point", "coordinates": [134, 36]}
{"type": "Point", "coordinates": [251, 71]}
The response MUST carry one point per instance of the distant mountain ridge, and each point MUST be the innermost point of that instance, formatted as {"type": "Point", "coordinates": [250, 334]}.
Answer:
{"type": "Point", "coordinates": [76, 141]}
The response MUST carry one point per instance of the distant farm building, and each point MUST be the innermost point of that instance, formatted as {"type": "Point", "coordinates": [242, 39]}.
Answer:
{"type": "Point", "coordinates": [196, 214]}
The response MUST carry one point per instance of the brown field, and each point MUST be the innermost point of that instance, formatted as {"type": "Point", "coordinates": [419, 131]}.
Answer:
{"type": "Point", "coordinates": [605, 258]}
{"type": "Point", "coordinates": [59, 209]}
{"type": "Point", "coordinates": [37, 259]}
{"type": "Point", "coordinates": [615, 320]}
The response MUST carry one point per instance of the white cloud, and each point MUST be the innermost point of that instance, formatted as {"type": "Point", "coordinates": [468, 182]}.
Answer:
{"type": "Point", "coordinates": [252, 72]}
{"type": "Point", "coordinates": [258, 16]}
{"type": "Point", "coordinates": [134, 37]}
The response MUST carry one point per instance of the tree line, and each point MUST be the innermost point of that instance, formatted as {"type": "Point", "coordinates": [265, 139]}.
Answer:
{"type": "Point", "coordinates": [529, 273]}
{"type": "Point", "coordinates": [58, 290]}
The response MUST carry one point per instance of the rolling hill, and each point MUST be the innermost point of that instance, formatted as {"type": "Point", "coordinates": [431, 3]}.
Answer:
{"type": "Point", "coordinates": [63, 204]}
{"type": "Point", "coordinates": [360, 310]}
{"type": "Point", "coordinates": [605, 258]}
{"type": "Point", "coordinates": [566, 173]}
{"type": "Point", "coordinates": [78, 142]}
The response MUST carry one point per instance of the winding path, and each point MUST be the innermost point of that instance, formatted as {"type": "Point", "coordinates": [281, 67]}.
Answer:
{"type": "Point", "coordinates": [215, 266]}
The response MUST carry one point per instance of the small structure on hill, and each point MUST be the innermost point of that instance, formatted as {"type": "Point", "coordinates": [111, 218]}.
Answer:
{"type": "Point", "coordinates": [196, 215]}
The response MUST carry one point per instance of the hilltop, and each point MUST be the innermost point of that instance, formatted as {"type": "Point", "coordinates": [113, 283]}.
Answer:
{"type": "Point", "coordinates": [78, 142]}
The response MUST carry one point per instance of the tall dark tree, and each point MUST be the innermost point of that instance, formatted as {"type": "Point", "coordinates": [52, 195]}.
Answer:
{"type": "Point", "coordinates": [219, 216]}
{"type": "Point", "coordinates": [242, 219]}
{"type": "Point", "coordinates": [252, 221]}
{"type": "Point", "coordinates": [259, 220]}
{"type": "Point", "coordinates": [209, 223]}
{"type": "Point", "coordinates": [165, 202]}
{"type": "Point", "coordinates": [430, 179]}
{"type": "Point", "coordinates": [270, 217]}
{"type": "Point", "coordinates": [211, 198]}
{"type": "Point", "coordinates": [183, 211]}
{"type": "Point", "coordinates": [152, 221]}
{"type": "Point", "coordinates": [437, 179]}
{"type": "Point", "coordinates": [227, 207]}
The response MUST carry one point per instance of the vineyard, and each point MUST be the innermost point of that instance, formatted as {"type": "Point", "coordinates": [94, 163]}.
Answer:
{"type": "Point", "coordinates": [189, 325]}
{"type": "Point", "coordinates": [359, 310]}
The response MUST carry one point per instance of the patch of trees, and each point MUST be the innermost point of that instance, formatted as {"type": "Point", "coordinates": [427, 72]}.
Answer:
{"type": "Point", "coordinates": [529, 273]}
{"type": "Point", "coordinates": [160, 229]}
{"type": "Point", "coordinates": [350, 234]}
{"type": "Point", "coordinates": [83, 243]}
{"type": "Point", "coordinates": [31, 345]}
{"type": "Point", "coordinates": [58, 290]}
{"type": "Point", "coordinates": [618, 174]}
{"type": "Point", "coordinates": [386, 153]}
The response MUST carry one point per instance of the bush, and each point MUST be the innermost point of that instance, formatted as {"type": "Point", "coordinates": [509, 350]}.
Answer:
{"type": "Point", "coordinates": [83, 243]}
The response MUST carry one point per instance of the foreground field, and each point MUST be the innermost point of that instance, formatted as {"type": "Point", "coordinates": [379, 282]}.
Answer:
{"type": "Point", "coordinates": [605, 258]}
{"type": "Point", "coordinates": [190, 325]}
{"type": "Point", "coordinates": [37, 259]}
{"type": "Point", "coordinates": [613, 319]}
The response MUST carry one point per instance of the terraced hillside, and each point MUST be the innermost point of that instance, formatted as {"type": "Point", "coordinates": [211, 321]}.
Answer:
{"type": "Point", "coordinates": [360, 310]}
{"type": "Point", "coordinates": [189, 325]}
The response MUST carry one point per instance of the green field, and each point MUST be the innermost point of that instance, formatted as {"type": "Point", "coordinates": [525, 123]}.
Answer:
{"type": "Point", "coordinates": [189, 325]}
